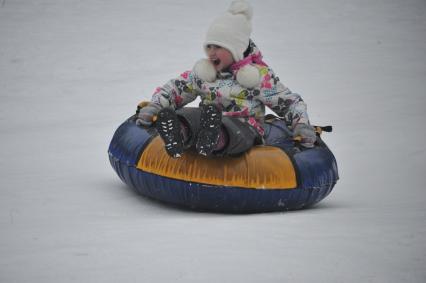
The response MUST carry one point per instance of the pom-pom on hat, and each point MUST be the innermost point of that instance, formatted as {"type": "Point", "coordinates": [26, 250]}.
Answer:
{"type": "Point", "coordinates": [232, 30]}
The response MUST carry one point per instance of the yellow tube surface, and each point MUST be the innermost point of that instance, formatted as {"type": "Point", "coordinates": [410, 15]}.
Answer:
{"type": "Point", "coordinates": [263, 167]}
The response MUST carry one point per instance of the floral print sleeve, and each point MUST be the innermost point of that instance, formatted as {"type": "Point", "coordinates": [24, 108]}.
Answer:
{"type": "Point", "coordinates": [177, 92]}
{"type": "Point", "coordinates": [281, 100]}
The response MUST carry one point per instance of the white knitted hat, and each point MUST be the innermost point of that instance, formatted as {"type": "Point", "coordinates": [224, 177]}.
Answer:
{"type": "Point", "coordinates": [232, 30]}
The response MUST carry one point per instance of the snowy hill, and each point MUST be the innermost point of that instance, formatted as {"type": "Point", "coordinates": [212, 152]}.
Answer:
{"type": "Point", "coordinates": [72, 71]}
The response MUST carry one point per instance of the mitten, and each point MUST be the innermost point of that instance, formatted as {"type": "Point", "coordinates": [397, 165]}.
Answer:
{"type": "Point", "coordinates": [146, 114]}
{"type": "Point", "coordinates": [306, 133]}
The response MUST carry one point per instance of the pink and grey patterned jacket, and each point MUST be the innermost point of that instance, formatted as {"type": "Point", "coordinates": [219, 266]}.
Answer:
{"type": "Point", "coordinates": [246, 104]}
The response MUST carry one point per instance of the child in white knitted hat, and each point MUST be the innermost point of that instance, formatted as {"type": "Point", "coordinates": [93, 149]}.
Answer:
{"type": "Point", "coordinates": [235, 85]}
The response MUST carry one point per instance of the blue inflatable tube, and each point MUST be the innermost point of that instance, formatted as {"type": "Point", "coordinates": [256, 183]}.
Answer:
{"type": "Point", "coordinates": [274, 177]}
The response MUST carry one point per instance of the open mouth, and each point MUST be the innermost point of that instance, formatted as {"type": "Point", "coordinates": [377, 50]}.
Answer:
{"type": "Point", "coordinates": [216, 62]}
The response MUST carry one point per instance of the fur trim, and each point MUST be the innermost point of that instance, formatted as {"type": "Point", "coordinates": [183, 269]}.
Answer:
{"type": "Point", "coordinates": [248, 76]}
{"type": "Point", "coordinates": [205, 70]}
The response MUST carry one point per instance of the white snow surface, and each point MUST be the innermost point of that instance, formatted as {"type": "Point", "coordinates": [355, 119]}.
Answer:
{"type": "Point", "coordinates": [71, 71]}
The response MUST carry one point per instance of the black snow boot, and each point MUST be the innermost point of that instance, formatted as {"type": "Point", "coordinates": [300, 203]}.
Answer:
{"type": "Point", "coordinates": [211, 120]}
{"type": "Point", "coordinates": [168, 127]}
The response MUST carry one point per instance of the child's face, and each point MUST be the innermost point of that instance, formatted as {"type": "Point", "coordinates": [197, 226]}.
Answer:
{"type": "Point", "coordinates": [220, 57]}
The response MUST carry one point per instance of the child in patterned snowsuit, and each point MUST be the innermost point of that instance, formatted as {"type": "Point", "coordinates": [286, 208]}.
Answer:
{"type": "Point", "coordinates": [234, 85]}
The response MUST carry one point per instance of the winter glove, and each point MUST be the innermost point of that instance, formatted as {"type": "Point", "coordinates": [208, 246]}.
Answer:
{"type": "Point", "coordinates": [307, 134]}
{"type": "Point", "coordinates": [146, 114]}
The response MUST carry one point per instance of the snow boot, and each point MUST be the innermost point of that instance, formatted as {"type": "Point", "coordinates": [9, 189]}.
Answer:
{"type": "Point", "coordinates": [169, 128]}
{"type": "Point", "coordinates": [211, 120]}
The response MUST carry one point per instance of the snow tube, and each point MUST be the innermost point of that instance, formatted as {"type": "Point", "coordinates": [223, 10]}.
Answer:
{"type": "Point", "coordinates": [276, 176]}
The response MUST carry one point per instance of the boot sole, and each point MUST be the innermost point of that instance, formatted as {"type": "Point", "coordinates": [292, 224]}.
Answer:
{"type": "Point", "coordinates": [211, 119]}
{"type": "Point", "coordinates": [168, 127]}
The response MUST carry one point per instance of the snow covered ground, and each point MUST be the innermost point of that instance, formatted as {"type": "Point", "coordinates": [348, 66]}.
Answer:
{"type": "Point", "coordinates": [71, 71]}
